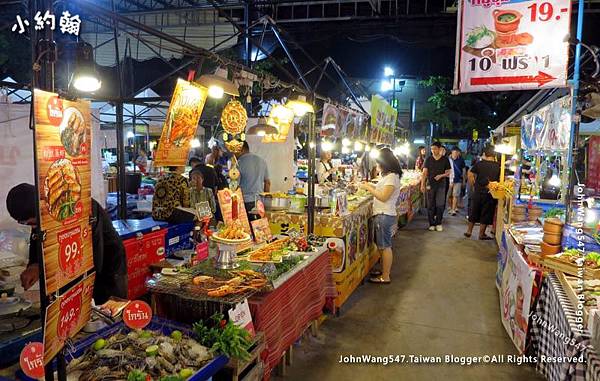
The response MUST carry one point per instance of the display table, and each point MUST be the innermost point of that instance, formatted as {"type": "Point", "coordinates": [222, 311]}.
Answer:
{"type": "Point", "coordinates": [284, 313]}
{"type": "Point", "coordinates": [554, 333]}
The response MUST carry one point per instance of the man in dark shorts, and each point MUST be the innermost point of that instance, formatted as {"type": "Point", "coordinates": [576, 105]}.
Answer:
{"type": "Point", "coordinates": [483, 205]}
{"type": "Point", "coordinates": [436, 171]}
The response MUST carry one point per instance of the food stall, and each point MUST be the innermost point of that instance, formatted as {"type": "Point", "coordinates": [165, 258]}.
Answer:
{"type": "Point", "coordinates": [349, 232]}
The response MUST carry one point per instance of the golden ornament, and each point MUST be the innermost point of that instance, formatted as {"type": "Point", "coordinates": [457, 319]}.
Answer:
{"type": "Point", "coordinates": [234, 117]}
{"type": "Point", "coordinates": [234, 146]}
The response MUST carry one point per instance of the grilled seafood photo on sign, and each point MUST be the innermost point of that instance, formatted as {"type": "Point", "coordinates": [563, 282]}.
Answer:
{"type": "Point", "coordinates": [73, 131]}
{"type": "Point", "coordinates": [62, 189]}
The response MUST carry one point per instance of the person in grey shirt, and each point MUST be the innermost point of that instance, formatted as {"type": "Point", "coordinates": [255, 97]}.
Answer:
{"type": "Point", "coordinates": [254, 176]}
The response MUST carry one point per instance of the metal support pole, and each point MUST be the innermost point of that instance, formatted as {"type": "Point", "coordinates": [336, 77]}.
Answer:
{"type": "Point", "coordinates": [574, 141]}
{"type": "Point", "coordinates": [312, 151]}
{"type": "Point", "coordinates": [342, 76]}
{"type": "Point", "coordinates": [122, 176]}
{"type": "Point", "coordinates": [291, 58]}
{"type": "Point", "coordinates": [247, 45]}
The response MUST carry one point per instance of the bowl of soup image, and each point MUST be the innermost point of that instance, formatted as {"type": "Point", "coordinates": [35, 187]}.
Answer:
{"type": "Point", "coordinates": [506, 21]}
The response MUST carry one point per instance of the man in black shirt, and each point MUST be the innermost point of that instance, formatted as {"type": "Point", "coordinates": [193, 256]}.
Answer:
{"type": "Point", "coordinates": [436, 171]}
{"type": "Point", "coordinates": [483, 205]}
{"type": "Point", "coordinates": [110, 263]}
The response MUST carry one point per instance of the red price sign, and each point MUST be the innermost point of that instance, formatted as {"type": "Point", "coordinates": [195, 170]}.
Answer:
{"type": "Point", "coordinates": [70, 256]}
{"type": "Point", "coordinates": [137, 314]}
{"type": "Point", "coordinates": [55, 110]}
{"type": "Point", "coordinates": [32, 360]}
{"type": "Point", "coordinates": [70, 309]}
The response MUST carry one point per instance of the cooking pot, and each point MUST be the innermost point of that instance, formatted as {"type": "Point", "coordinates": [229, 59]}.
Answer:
{"type": "Point", "coordinates": [275, 203]}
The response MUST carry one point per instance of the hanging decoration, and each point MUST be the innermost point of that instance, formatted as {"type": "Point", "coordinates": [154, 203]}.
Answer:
{"type": "Point", "coordinates": [234, 120]}
{"type": "Point", "coordinates": [281, 118]}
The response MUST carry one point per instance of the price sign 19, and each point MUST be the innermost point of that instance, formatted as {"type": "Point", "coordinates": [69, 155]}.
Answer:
{"type": "Point", "coordinates": [545, 12]}
{"type": "Point", "coordinates": [70, 251]}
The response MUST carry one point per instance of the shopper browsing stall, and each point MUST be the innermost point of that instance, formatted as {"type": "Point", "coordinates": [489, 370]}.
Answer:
{"type": "Point", "coordinates": [385, 195]}
{"type": "Point", "coordinates": [326, 173]}
{"type": "Point", "coordinates": [436, 171]}
{"type": "Point", "coordinates": [209, 174]}
{"type": "Point", "coordinates": [254, 176]}
{"type": "Point", "coordinates": [142, 161]}
{"type": "Point", "coordinates": [483, 205]}
{"type": "Point", "coordinates": [109, 254]}
{"type": "Point", "coordinates": [420, 161]}
{"type": "Point", "coordinates": [171, 191]}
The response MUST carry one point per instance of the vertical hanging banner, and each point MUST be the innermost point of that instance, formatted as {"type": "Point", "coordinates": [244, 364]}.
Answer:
{"type": "Point", "coordinates": [383, 121]}
{"type": "Point", "coordinates": [181, 123]}
{"type": "Point", "coordinates": [63, 141]}
{"type": "Point", "coordinates": [67, 315]}
{"type": "Point", "coordinates": [512, 45]}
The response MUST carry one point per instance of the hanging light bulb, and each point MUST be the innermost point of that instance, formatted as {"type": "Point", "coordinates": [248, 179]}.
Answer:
{"type": "Point", "coordinates": [300, 106]}
{"type": "Point", "coordinates": [218, 84]}
{"type": "Point", "coordinates": [195, 143]}
{"type": "Point", "coordinates": [312, 144]}
{"type": "Point", "coordinates": [327, 146]}
{"type": "Point", "coordinates": [215, 91]}
{"type": "Point", "coordinates": [346, 142]}
{"type": "Point", "coordinates": [367, 148]}
{"type": "Point", "coordinates": [358, 146]}
{"type": "Point", "coordinates": [84, 77]}
{"type": "Point", "coordinates": [345, 150]}
{"type": "Point", "coordinates": [374, 153]}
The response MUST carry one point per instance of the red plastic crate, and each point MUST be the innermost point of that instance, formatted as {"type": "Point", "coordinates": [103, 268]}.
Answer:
{"type": "Point", "coordinates": [141, 252]}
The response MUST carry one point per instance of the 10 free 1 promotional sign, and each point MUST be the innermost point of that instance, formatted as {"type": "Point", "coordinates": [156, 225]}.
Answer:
{"type": "Point", "coordinates": [512, 45]}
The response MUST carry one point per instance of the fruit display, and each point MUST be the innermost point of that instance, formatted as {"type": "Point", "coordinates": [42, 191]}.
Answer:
{"type": "Point", "coordinates": [232, 231]}
{"type": "Point", "coordinates": [272, 252]}
{"type": "Point", "coordinates": [299, 244]}
{"type": "Point", "coordinates": [140, 355]}
{"type": "Point", "coordinates": [242, 281]}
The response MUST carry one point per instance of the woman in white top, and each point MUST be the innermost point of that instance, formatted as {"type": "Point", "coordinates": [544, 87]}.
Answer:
{"type": "Point", "coordinates": [325, 170]}
{"type": "Point", "coordinates": [385, 197]}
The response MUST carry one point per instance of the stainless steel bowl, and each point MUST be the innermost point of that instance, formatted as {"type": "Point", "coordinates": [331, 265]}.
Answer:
{"type": "Point", "coordinates": [275, 203]}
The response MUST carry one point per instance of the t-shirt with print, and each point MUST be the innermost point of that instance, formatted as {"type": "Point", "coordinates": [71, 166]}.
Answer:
{"type": "Point", "coordinates": [457, 166]}
{"type": "Point", "coordinates": [436, 167]}
{"type": "Point", "coordinates": [388, 207]}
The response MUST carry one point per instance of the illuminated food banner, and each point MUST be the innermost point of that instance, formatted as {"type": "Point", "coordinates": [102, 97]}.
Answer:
{"type": "Point", "coordinates": [383, 121]}
{"type": "Point", "coordinates": [63, 141]}
{"type": "Point", "coordinates": [281, 118]}
{"type": "Point", "coordinates": [66, 316]}
{"type": "Point", "coordinates": [512, 45]}
{"type": "Point", "coordinates": [181, 123]}
{"type": "Point", "coordinates": [548, 128]}
{"type": "Point", "coordinates": [340, 122]}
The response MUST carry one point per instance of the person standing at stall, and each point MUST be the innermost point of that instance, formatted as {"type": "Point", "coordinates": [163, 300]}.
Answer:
{"type": "Point", "coordinates": [422, 152]}
{"type": "Point", "coordinates": [110, 263]}
{"type": "Point", "coordinates": [171, 191]}
{"type": "Point", "coordinates": [483, 205]}
{"type": "Point", "coordinates": [254, 176]}
{"type": "Point", "coordinates": [142, 161]}
{"type": "Point", "coordinates": [456, 180]}
{"type": "Point", "coordinates": [436, 171]}
{"type": "Point", "coordinates": [326, 173]}
{"type": "Point", "coordinates": [385, 196]}
{"type": "Point", "coordinates": [214, 156]}
{"type": "Point", "coordinates": [200, 193]}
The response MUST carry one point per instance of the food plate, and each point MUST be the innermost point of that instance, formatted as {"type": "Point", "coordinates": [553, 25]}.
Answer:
{"type": "Point", "coordinates": [73, 132]}
{"type": "Point", "coordinates": [216, 238]}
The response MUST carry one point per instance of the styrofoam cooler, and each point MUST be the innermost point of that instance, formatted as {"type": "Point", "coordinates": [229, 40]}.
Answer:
{"type": "Point", "coordinates": [179, 238]}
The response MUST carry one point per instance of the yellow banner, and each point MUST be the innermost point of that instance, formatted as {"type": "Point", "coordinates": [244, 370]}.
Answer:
{"type": "Point", "coordinates": [383, 121]}
{"type": "Point", "coordinates": [180, 126]}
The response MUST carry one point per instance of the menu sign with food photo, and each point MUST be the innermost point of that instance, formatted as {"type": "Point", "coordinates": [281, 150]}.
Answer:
{"type": "Point", "coordinates": [181, 124]}
{"type": "Point", "coordinates": [63, 140]}
{"type": "Point", "coordinates": [67, 315]}
{"type": "Point", "coordinates": [512, 45]}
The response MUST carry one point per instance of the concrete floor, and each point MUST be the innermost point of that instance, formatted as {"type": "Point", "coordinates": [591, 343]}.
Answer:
{"type": "Point", "coordinates": [442, 300]}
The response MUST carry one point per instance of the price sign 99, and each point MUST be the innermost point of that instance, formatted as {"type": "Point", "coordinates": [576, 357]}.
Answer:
{"type": "Point", "coordinates": [70, 255]}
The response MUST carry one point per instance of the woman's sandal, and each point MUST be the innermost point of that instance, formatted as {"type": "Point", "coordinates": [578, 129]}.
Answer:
{"type": "Point", "coordinates": [486, 238]}
{"type": "Point", "coordinates": [379, 280]}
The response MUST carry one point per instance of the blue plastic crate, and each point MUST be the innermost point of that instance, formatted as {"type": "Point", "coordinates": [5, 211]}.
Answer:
{"type": "Point", "coordinates": [157, 324]}
{"type": "Point", "coordinates": [570, 240]}
{"type": "Point", "coordinates": [178, 238]}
